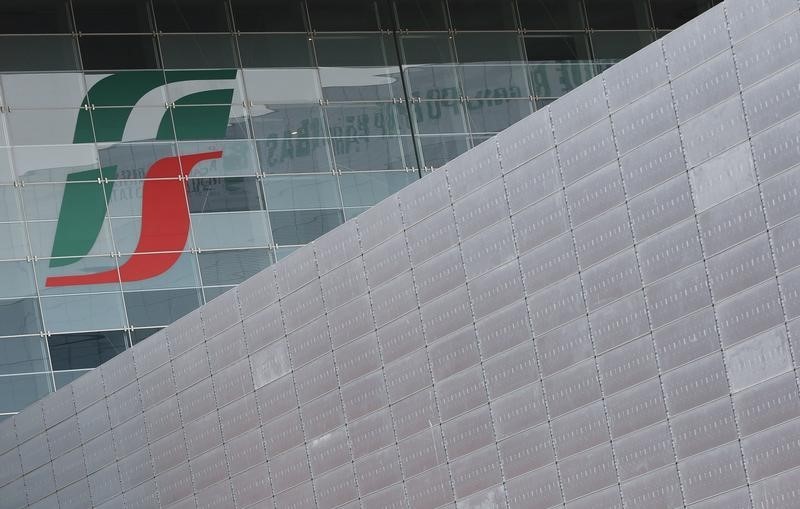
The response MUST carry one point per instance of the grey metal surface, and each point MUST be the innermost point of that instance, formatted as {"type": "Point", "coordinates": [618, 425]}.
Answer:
{"type": "Point", "coordinates": [596, 308]}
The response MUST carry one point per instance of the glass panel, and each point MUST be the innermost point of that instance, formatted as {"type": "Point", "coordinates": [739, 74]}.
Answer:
{"type": "Point", "coordinates": [292, 121]}
{"type": "Point", "coordinates": [232, 267]}
{"type": "Point", "coordinates": [43, 201]}
{"type": "Point", "coordinates": [368, 188]}
{"type": "Point", "coordinates": [230, 230]}
{"type": "Point", "coordinates": [82, 351]}
{"type": "Point", "coordinates": [434, 81]}
{"type": "Point", "coordinates": [85, 312]}
{"type": "Point", "coordinates": [556, 79]}
{"type": "Point", "coordinates": [618, 14]}
{"type": "Point", "coordinates": [231, 194]}
{"type": "Point", "coordinates": [351, 15]}
{"type": "Point", "coordinates": [133, 83]}
{"type": "Point", "coordinates": [550, 15]}
{"type": "Point", "coordinates": [103, 16]}
{"type": "Point", "coordinates": [259, 15]}
{"type": "Point", "coordinates": [301, 227]}
{"type": "Point", "coordinates": [34, 17]}
{"type": "Point", "coordinates": [160, 307]}
{"type": "Point", "coordinates": [550, 46]}
{"type": "Point", "coordinates": [191, 15]}
{"type": "Point", "coordinates": [9, 204]}
{"type": "Point", "coordinates": [275, 50]}
{"type": "Point", "coordinates": [142, 334]}
{"type": "Point", "coordinates": [436, 48]}
{"type": "Point", "coordinates": [367, 119]}
{"type": "Point", "coordinates": [494, 116]}
{"type": "Point", "coordinates": [51, 90]}
{"type": "Point", "coordinates": [55, 267]}
{"type": "Point", "coordinates": [59, 163]}
{"type": "Point", "coordinates": [494, 81]}
{"type": "Point", "coordinates": [438, 150]}
{"type": "Point", "coordinates": [482, 14]}
{"type": "Point", "coordinates": [15, 243]}
{"type": "Point", "coordinates": [439, 117]}
{"type": "Point", "coordinates": [674, 13]}
{"type": "Point", "coordinates": [210, 122]}
{"type": "Point", "coordinates": [238, 158]}
{"type": "Point", "coordinates": [66, 377]}
{"type": "Point", "coordinates": [42, 127]}
{"type": "Point", "coordinates": [23, 355]}
{"type": "Point", "coordinates": [282, 86]}
{"type": "Point", "coordinates": [131, 161]}
{"type": "Point", "coordinates": [19, 317]}
{"type": "Point", "coordinates": [489, 47]}
{"type": "Point", "coordinates": [19, 391]}
{"type": "Point", "coordinates": [416, 15]}
{"type": "Point", "coordinates": [361, 83]}
{"type": "Point", "coordinates": [17, 279]}
{"type": "Point", "coordinates": [294, 156]}
{"type": "Point", "coordinates": [184, 273]}
{"type": "Point", "coordinates": [302, 192]}
{"type": "Point", "coordinates": [374, 153]}
{"type": "Point", "coordinates": [618, 45]}
{"type": "Point", "coordinates": [105, 52]}
{"type": "Point", "coordinates": [354, 212]}
{"type": "Point", "coordinates": [198, 51]}
{"type": "Point", "coordinates": [355, 50]}
{"type": "Point", "coordinates": [43, 53]}
{"type": "Point", "coordinates": [211, 293]}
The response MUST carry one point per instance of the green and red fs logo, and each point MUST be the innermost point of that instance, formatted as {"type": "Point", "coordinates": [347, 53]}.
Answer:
{"type": "Point", "coordinates": [165, 221]}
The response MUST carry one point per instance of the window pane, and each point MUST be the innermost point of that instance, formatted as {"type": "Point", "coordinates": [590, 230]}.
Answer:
{"type": "Point", "coordinates": [9, 204]}
{"type": "Point", "coordinates": [416, 15]}
{"type": "Point", "coordinates": [302, 192]}
{"type": "Point", "coordinates": [368, 188]}
{"type": "Point", "coordinates": [550, 15]}
{"type": "Point", "coordinates": [439, 81]}
{"type": "Point", "coordinates": [355, 50]}
{"type": "Point", "coordinates": [23, 355]}
{"type": "Point", "coordinates": [19, 391]}
{"type": "Point", "coordinates": [19, 317]}
{"type": "Point", "coordinates": [119, 16]}
{"type": "Point", "coordinates": [542, 47]}
{"type": "Point", "coordinates": [427, 49]}
{"type": "Point", "coordinates": [438, 150]}
{"type": "Point", "coordinates": [107, 52]}
{"type": "Point", "coordinates": [191, 15]}
{"type": "Point", "coordinates": [482, 14]}
{"type": "Point", "coordinates": [66, 377]}
{"type": "Point", "coordinates": [43, 53]}
{"type": "Point", "coordinates": [260, 15]}
{"type": "Point", "coordinates": [374, 153]}
{"type": "Point", "coordinates": [230, 230]}
{"type": "Point", "coordinates": [238, 158]}
{"type": "Point", "coordinates": [494, 116]}
{"type": "Point", "coordinates": [142, 334]}
{"type": "Point", "coordinates": [232, 194]}
{"type": "Point", "coordinates": [232, 267]}
{"type": "Point", "coordinates": [213, 292]}
{"type": "Point", "coordinates": [301, 227]}
{"type": "Point", "coordinates": [489, 47]}
{"type": "Point", "coordinates": [292, 121]}
{"type": "Point", "coordinates": [331, 15]}
{"type": "Point", "coordinates": [618, 45]}
{"type": "Point", "coordinates": [132, 160]}
{"type": "Point", "coordinates": [33, 17]}
{"type": "Point", "coordinates": [198, 51]}
{"type": "Point", "coordinates": [294, 156]}
{"type": "Point", "coordinates": [83, 312]}
{"type": "Point", "coordinates": [368, 119]}
{"type": "Point", "coordinates": [160, 307]}
{"type": "Point", "coordinates": [618, 14]}
{"type": "Point", "coordinates": [82, 351]}
{"type": "Point", "coordinates": [674, 13]}
{"type": "Point", "coordinates": [439, 117]}
{"type": "Point", "coordinates": [275, 50]}
{"type": "Point", "coordinates": [44, 91]}
{"type": "Point", "coordinates": [484, 81]}
{"type": "Point", "coordinates": [556, 79]}
{"type": "Point", "coordinates": [14, 245]}
{"type": "Point", "coordinates": [17, 279]}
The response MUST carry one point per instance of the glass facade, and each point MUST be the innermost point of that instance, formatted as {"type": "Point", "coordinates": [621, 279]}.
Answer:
{"type": "Point", "coordinates": [155, 153]}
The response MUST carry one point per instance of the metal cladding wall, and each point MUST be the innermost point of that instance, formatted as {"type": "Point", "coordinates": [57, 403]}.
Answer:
{"type": "Point", "coordinates": [593, 309]}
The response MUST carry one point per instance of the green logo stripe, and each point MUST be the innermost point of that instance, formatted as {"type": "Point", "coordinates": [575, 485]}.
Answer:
{"type": "Point", "coordinates": [83, 210]}
{"type": "Point", "coordinates": [206, 122]}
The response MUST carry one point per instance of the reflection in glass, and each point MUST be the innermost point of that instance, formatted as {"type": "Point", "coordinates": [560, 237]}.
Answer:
{"type": "Point", "coordinates": [212, 292]}
{"type": "Point", "coordinates": [482, 14]}
{"type": "Point", "coordinates": [293, 121]}
{"type": "Point", "coordinates": [231, 267]}
{"type": "Point", "coordinates": [63, 378]}
{"type": "Point", "coordinates": [674, 13]}
{"type": "Point", "coordinates": [550, 15]}
{"type": "Point", "coordinates": [85, 312]}
{"type": "Point", "coordinates": [191, 16]}
{"type": "Point", "coordinates": [34, 17]}
{"type": "Point", "coordinates": [41, 53]}
{"type": "Point", "coordinates": [619, 45]}
{"type": "Point", "coordinates": [351, 15]}
{"type": "Point", "coordinates": [618, 14]}
{"type": "Point", "coordinates": [416, 15]}
{"type": "Point", "coordinates": [433, 48]}
{"type": "Point", "coordinates": [87, 350]}
{"type": "Point", "coordinates": [238, 158]}
{"type": "Point", "coordinates": [557, 78]}
{"type": "Point", "coordinates": [198, 51]}
{"type": "Point", "coordinates": [14, 243]}
{"type": "Point", "coordinates": [439, 117]}
{"type": "Point", "coordinates": [160, 307]}
{"type": "Point", "coordinates": [231, 194]}
{"type": "Point", "coordinates": [230, 230]}
{"type": "Point", "coordinates": [367, 119]}
{"type": "Point", "coordinates": [23, 355]}
{"type": "Point", "coordinates": [282, 86]}
{"type": "Point", "coordinates": [302, 192]}
{"type": "Point", "coordinates": [439, 81]}
{"type": "Point", "coordinates": [303, 226]}
{"type": "Point", "coordinates": [10, 209]}
{"type": "Point", "coordinates": [20, 317]}
{"type": "Point", "coordinates": [17, 279]}
{"type": "Point", "coordinates": [374, 153]}
{"type": "Point", "coordinates": [43, 127]}
{"type": "Point", "coordinates": [365, 189]}
{"type": "Point", "coordinates": [132, 160]}
{"type": "Point", "coordinates": [43, 91]}
{"type": "Point", "coordinates": [438, 150]}
{"type": "Point", "coordinates": [497, 81]}
{"type": "Point", "coordinates": [138, 335]}
{"type": "Point", "coordinates": [105, 52]}
{"type": "Point", "coordinates": [494, 116]}
{"type": "Point", "coordinates": [488, 47]}
{"type": "Point", "coordinates": [554, 46]}
{"type": "Point", "coordinates": [259, 15]}
{"type": "Point", "coordinates": [19, 391]}
{"type": "Point", "coordinates": [129, 16]}
{"type": "Point", "coordinates": [361, 83]}
{"type": "Point", "coordinates": [184, 274]}
{"type": "Point", "coordinates": [294, 156]}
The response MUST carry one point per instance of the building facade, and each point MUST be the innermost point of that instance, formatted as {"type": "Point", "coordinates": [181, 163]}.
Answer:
{"type": "Point", "coordinates": [308, 112]}
{"type": "Point", "coordinates": [597, 308]}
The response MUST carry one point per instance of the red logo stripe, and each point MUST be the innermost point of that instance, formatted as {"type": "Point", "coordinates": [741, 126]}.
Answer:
{"type": "Point", "coordinates": [165, 225]}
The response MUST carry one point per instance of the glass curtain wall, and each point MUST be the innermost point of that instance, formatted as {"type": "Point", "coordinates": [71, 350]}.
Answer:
{"type": "Point", "coordinates": [284, 118]}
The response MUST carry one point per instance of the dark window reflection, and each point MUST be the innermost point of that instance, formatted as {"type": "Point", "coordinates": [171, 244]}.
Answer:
{"type": "Point", "coordinates": [550, 14]}
{"type": "Point", "coordinates": [20, 316]}
{"type": "Point", "coordinates": [66, 377]}
{"type": "Point", "coordinates": [618, 14]}
{"type": "Point", "coordinates": [488, 47]}
{"type": "Point", "coordinates": [482, 14]}
{"type": "Point", "coordinates": [105, 16]}
{"type": "Point", "coordinates": [420, 14]}
{"type": "Point", "coordinates": [275, 50]}
{"type": "Point", "coordinates": [548, 46]}
{"type": "Point", "coordinates": [138, 335]}
{"type": "Point", "coordinates": [269, 15]}
{"type": "Point", "coordinates": [303, 226]}
{"type": "Point", "coordinates": [427, 49]}
{"type": "Point", "coordinates": [618, 45]}
{"type": "Point", "coordinates": [33, 17]}
{"type": "Point", "coordinates": [191, 15]}
{"type": "Point", "coordinates": [85, 350]}
{"type": "Point", "coordinates": [355, 50]}
{"type": "Point", "coordinates": [42, 53]}
{"type": "Point", "coordinates": [160, 307]}
{"type": "Point", "coordinates": [198, 51]}
{"type": "Point", "coordinates": [107, 52]}
{"type": "Point", "coordinates": [334, 15]}
{"type": "Point", "coordinates": [674, 13]}
{"type": "Point", "coordinates": [229, 194]}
